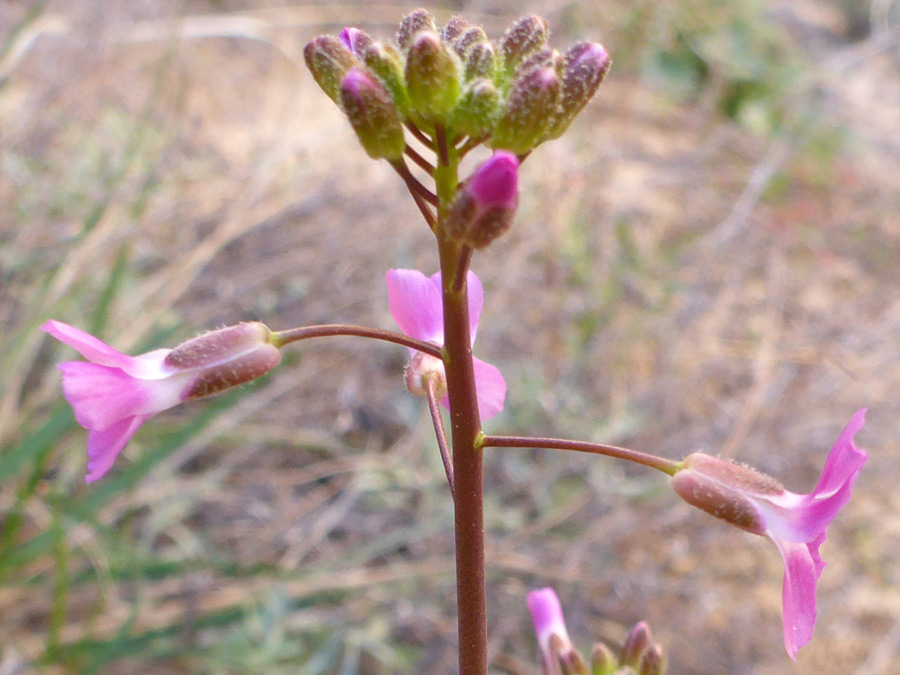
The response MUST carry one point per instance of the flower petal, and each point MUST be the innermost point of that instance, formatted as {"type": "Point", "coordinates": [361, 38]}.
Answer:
{"type": "Point", "coordinates": [490, 387]}
{"type": "Point", "coordinates": [104, 446]}
{"type": "Point", "coordinates": [798, 593]}
{"type": "Point", "coordinates": [844, 461]}
{"type": "Point", "coordinates": [87, 345]}
{"type": "Point", "coordinates": [101, 396]}
{"type": "Point", "coordinates": [415, 303]}
{"type": "Point", "coordinates": [547, 615]}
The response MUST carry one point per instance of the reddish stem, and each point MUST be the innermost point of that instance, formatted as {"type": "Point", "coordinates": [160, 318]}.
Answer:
{"type": "Point", "coordinates": [438, 422]}
{"type": "Point", "coordinates": [281, 338]}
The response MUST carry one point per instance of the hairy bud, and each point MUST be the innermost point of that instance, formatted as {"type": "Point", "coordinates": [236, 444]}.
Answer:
{"type": "Point", "coordinates": [455, 27]}
{"type": "Point", "coordinates": [412, 24]}
{"type": "Point", "coordinates": [524, 37]}
{"type": "Point", "coordinates": [432, 78]}
{"type": "Point", "coordinates": [636, 644]}
{"type": "Point", "coordinates": [603, 661]}
{"type": "Point", "coordinates": [386, 62]}
{"type": "Point", "coordinates": [355, 40]}
{"type": "Point", "coordinates": [477, 111]}
{"type": "Point", "coordinates": [372, 114]}
{"type": "Point", "coordinates": [480, 61]}
{"type": "Point", "coordinates": [328, 59]}
{"type": "Point", "coordinates": [653, 661]}
{"type": "Point", "coordinates": [586, 64]}
{"type": "Point", "coordinates": [484, 206]}
{"type": "Point", "coordinates": [529, 111]}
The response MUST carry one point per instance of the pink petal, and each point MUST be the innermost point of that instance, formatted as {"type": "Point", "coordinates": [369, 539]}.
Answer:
{"type": "Point", "coordinates": [104, 446]}
{"type": "Point", "coordinates": [798, 594]}
{"type": "Point", "coordinates": [101, 396]}
{"type": "Point", "coordinates": [845, 460]}
{"type": "Point", "coordinates": [87, 345]}
{"type": "Point", "coordinates": [415, 303]}
{"type": "Point", "coordinates": [490, 387]}
{"type": "Point", "coordinates": [547, 615]}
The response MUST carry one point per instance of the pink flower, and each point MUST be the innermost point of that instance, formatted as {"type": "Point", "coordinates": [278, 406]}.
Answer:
{"type": "Point", "coordinates": [795, 523]}
{"type": "Point", "coordinates": [550, 627]}
{"type": "Point", "coordinates": [416, 305]}
{"type": "Point", "coordinates": [113, 394]}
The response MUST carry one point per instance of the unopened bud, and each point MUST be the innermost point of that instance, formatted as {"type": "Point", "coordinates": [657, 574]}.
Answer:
{"type": "Point", "coordinates": [455, 27]}
{"type": "Point", "coordinates": [653, 661]}
{"type": "Point", "coordinates": [571, 662]}
{"type": "Point", "coordinates": [422, 369]}
{"type": "Point", "coordinates": [224, 358]}
{"type": "Point", "coordinates": [412, 24]}
{"type": "Point", "coordinates": [524, 37]}
{"type": "Point", "coordinates": [473, 36]}
{"type": "Point", "coordinates": [586, 65]}
{"type": "Point", "coordinates": [372, 114]}
{"type": "Point", "coordinates": [477, 110]}
{"type": "Point", "coordinates": [529, 111]}
{"type": "Point", "coordinates": [480, 61]}
{"type": "Point", "coordinates": [328, 59]}
{"type": "Point", "coordinates": [636, 644]}
{"type": "Point", "coordinates": [543, 58]}
{"type": "Point", "coordinates": [723, 489]}
{"type": "Point", "coordinates": [355, 40]}
{"type": "Point", "coordinates": [484, 206]}
{"type": "Point", "coordinates": [432, 78]}
{"type": "Point", "coordinates": [385, 61]}
{"type": "Point", "coordinates": [603, 661]}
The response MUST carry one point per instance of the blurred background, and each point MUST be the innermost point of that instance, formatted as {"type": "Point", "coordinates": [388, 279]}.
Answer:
{"type": "Point", "coordinates": [708, 259]}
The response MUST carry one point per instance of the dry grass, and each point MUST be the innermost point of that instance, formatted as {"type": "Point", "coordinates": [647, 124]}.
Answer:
{"type": "Point", "coordinates": [673, 282]}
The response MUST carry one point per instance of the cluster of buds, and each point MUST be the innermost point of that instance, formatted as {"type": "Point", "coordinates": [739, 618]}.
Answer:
{"type": "Point", "coordinates": [639, 655]}
{"type": "Point", "coordinates": [511, 95]}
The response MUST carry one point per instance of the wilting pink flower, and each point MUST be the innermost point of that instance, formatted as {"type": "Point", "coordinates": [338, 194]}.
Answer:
{"type": "Point", "coordinates": [113, 394]}
{"type": "Point", "coordinates": [795, 523]}
{"type": "Point", "coordinates": [550, 628]}
{"type": "Point", "coordinates": [416, 305]}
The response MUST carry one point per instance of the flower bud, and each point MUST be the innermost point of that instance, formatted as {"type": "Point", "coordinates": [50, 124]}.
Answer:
{"type": "Point", "coordinates": [455, 27]}
{"type": "Point", "coordinates": [386, 62]}
{"type": "Point", "coordinates": [529, 111]}
{"type": "Point", "coordinates": [477, 110]}
{"type": "Point", "coordinates": [373, 115]}
{"type": "Point", "coordinates": [586, 65]}
{"type": "Point", "coordinates": [653, 661]}
{"type": "Point", "coordinates": [412, 24]}
{"type": "Point", "coordinates": [469, 39]}
{"type": "Point", "coordinates": [523, 38]}
{"type": "Point", "coordinates": [224, 358]}
{"type": "Point", "coordinates": [328, 59]}
{"type": "Point", "coordinates": [636, 644]}
{"type": "Point", "coordinates": [484, 206]}
{"type": "Point", "coordinates": [355, 40]}
{"type": "Point", "coordinates": [603, 661]}
{"type": "Point", "coordinates": [422, 368]}
{"type": "Point", "coordinates": [543, 58]}
{"type": "Point", "coordinates": [725, 489]}
{"type": "Point", "coordinates": [480, 61]}
{"type": "Point", "coordinates": [432, 78]}
{"type": "Point", "coordinates": [571, 662]}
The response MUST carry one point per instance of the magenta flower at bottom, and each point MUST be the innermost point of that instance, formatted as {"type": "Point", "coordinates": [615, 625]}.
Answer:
{"type": "Point", "coordinates": [113, 394]}
{"type": "Point", "coordinates": [796, 523]}
{"type": "Point", "coordinates": [417, 306]}
{"type": "Point", "coordinates": [550, 628]}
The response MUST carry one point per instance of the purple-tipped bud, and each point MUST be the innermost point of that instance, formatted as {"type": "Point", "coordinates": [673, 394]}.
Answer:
{"type": "Point", "coordinates": [386, 62]}
{"type": "Point", "coordinates": [481, 61]}
{"type": "Point", "coordinates": [653, 661]}
{"type": "Point", "coordinates": [603, 661]}
{"type": "Point", "coordinates": [455, 27]}
{"type": "Point", "coordinates": [432, 78]}
{"type": "Point", "coordinates": [637, 642]}
{"type": "Point", "coordinates": [477, 110]}
{"type": "Point", "coordinates": [524, 37]}
{"type": "Point", "coordinates": [473, 36]}
{"type": "Point", "coordinates": [412, 24]}
{"type": "Point", "coordinates": [544, 58]}
{"type": "Point", "coordinates": [586, 64]}
{"type": "Point", "coordinates": [484, 206]}
{"type": "Point", "coordinates": [329, 59]}
{"type": "Point", "coordinates": [571, 662]}
{"type": "Point", "coordinates": [355, 40]}
{"type": "Point", "coordinates": [529, 112]}
{"type": "Point", "coordinates": [373, 115]}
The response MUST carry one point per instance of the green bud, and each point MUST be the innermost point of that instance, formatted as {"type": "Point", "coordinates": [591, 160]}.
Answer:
{"type": "Point", "coordinates": [372, 114]}
{"type": "Point", "coordinates": [481, 61]}
{"type": "Point", "coordinates": [524, 37]}
{"type": "Point", "coordinates": [412, 24]}
{"type": "Point", "coordinates": [455, 27]}
{"type": "Point", "coordinates": [432, 78]}
{"type": "Point", "coordinates": [603, 662]}
{"type": "Point", "coordinates": [529, 111]}
{"type": "Point", "coordinates": [386, 62]}
{"type": "Point", "coordinates": [586, 64]}
{"type": "Point", "coordinates": [328, 59]}
{"type": "Point", "coordinates": [477, 110]}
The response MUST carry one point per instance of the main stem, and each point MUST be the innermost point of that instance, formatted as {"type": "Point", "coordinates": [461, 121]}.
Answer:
{"type": "Point", "coordinates": [465, 425]}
